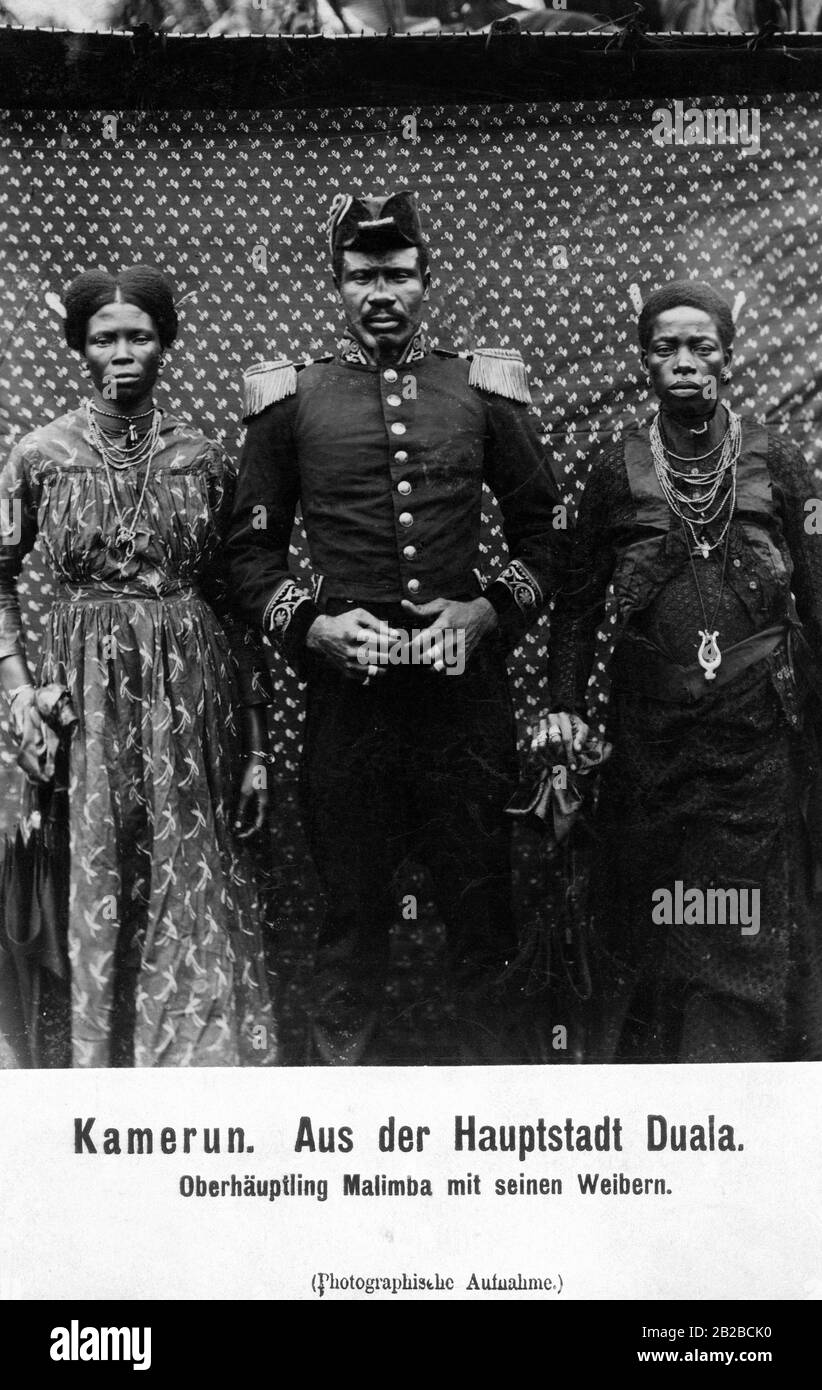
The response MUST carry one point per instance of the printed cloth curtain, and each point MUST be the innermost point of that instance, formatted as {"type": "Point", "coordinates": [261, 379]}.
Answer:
{"type": "Point", "coordinates": [546, 222]}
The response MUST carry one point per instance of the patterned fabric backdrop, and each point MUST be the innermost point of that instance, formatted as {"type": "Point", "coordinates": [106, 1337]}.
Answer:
{"type": "Point", "coordinates": [541, 219]}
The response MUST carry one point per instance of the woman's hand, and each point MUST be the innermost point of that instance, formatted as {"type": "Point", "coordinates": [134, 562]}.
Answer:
{"type": "Point", "coordinates": [253, 801]}
{"type": "Point", "coordinates": [560, 733]}
{"type": "Point", "coordinates": [33, 735]}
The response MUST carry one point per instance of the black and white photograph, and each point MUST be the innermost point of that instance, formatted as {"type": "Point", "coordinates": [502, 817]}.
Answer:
{"type": "Point", "coordinates": [411, 647]}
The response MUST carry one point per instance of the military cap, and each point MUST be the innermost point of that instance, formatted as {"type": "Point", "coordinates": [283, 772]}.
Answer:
{"type": "Point", "coordinates": [382, 217]}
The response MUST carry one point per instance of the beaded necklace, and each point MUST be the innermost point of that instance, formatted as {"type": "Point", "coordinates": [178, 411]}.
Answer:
{"type": "Point", "coordinates": [119, 459]}
{"type": "Point", "coordinates": [696, 509]}
{"type": "Point", "coordinates": [129, 420]}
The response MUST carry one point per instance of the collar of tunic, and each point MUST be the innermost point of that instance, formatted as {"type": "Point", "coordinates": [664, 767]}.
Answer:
{"type": "Point", "coordinates": [352, 352]}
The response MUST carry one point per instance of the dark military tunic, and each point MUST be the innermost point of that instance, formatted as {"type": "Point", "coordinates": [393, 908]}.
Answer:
{"type": "Point", "coordinates": [388, 466]}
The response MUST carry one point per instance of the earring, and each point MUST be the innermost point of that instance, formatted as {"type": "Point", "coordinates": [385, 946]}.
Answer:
{"type": "Point", "coordinates": [725, 375]}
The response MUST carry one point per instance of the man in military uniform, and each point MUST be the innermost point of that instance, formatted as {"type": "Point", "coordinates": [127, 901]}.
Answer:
{"type": "Point", "coordinates": [386, 446]}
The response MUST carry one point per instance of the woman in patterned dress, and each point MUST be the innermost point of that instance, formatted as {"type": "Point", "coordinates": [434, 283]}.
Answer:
{"type": "Point", "coordinates": [704, 940]}
{"type": "Point", "coordinates": [164, 938]}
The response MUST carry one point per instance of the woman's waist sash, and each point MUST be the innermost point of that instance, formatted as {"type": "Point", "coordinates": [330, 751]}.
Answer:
{"type": "Point", "coordinates": [641, 668]}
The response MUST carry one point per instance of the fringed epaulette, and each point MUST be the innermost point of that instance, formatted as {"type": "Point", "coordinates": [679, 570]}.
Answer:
{"type": "Point", "coordinates": [502, 371]}
{"type": "Point", "coordinates": [265, 383]}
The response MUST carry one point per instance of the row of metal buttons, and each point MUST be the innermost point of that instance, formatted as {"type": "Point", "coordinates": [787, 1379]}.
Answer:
{"type": "Point", "coordinates": [403, 487]}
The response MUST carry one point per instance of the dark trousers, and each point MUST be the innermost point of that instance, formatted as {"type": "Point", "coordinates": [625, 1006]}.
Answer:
{"type": "Point", "coordinates": [418, 764]}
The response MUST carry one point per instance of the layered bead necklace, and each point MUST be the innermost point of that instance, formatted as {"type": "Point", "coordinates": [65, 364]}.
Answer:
{"type": "Point", "coordinates": [118, 459]}
{"type": "Point", "coordinates": [129, 420]}
{"type": "Point", "coordinates": [699, 497]}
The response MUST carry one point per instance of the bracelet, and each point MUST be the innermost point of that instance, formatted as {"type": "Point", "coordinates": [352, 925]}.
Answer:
{"type": "Point", "coordinates": [263, 757]}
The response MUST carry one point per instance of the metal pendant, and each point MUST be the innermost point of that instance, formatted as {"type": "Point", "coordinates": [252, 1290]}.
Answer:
{"type": "Point", "coordinates": [125, 542]}
{"type": "Point", "coordinates": [709, 656]}
{"type": "Point", "coordinates": [124, 536]}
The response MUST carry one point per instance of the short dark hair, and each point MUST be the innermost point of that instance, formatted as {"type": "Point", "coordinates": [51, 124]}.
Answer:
{"type": "Point", "coordinates": [149, 289]}
{"type": "Point", "coordinates": [691, 294]}
{"type": "Point", "coordinates": [377, 246]}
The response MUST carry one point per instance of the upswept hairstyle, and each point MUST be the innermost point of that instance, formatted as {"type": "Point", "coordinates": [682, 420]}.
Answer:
{"type": "Point", "coordinates": [692, 294]}
{"type": "Point", "coordinates": [142, 285]}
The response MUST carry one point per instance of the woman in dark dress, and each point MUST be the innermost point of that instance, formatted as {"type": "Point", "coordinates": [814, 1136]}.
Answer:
{"type": "Point", "coordinates": [164, 936]}
{"type": "Point", "coordinates": [704, 945]}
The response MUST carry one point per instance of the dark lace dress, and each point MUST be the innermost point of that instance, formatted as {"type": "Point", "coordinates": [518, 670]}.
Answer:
{"type": "Point", "coordinates": [164, 924]}
{"type": "Point", "coordinates": [705, 794]}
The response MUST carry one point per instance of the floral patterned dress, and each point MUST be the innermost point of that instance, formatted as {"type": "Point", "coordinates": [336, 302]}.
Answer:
{"type": "Point", "coordinates": [165, 944]}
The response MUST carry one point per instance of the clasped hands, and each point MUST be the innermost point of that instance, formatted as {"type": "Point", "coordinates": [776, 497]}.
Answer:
{"type": "Point", "coordinates": [359, 645]}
